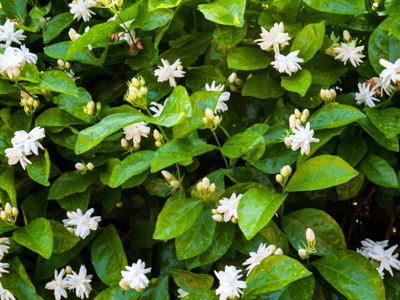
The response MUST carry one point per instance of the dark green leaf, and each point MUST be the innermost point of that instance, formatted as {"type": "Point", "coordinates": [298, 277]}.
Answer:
{"type": "Point", "coordinates": [309, 40]}
{"type": "Point", "coordinates": [7, 184]}
{"type": "Point", "coordinates": [332, 116]}
{"type": "Point", "coordinates": [191, 282]}
{"type": "Point", "coordinates": [70, 183]}
{"type": "Point", "coordinates": [390, 144]}
{"type": "Point", "coordinates": [299, 82]}
{"type": "Point", "coordinates": [39, 170]}
{"type": "Point", "coordinates": [34, 206]}
{"type": "Point", "coordinates": [74, 105]}
{"type": "Point", "coordinates": [248, 58]}
{"type": "Point", "coordinates": [325, 70]}
{"type": "Point", "coordinates": [75, 201]}
{"type": "Point", "coordinates": [63, 240]}
{"type": "Point", "coordinates": [386, 120]}
{"type": "Point", "coordinates": [230, 35]}
{"type": "Point", "coordinates": [379, 171]}
{"type": "Point", "coordinates": [198, 77]}
{"type": "Point", "coordinates": [392, 285]}
{"type": "Point", "coordinates": [262, 87]}
{"type": "Point", "coordinates": [302, 289]}
{"type": "Point", "coordinates": [57, 24]}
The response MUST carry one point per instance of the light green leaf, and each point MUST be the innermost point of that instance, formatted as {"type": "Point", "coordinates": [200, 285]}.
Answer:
{"type": "Point", "coordinates": [309, 40]}
{"type": "Point", "coordinates": [262, 87]}
{"type": "Point", "coordinates": [351, 274]}
{"type": "Point", "coordinates": [39, 170]}
{"type": "Point", "coordinates": [15, 9]}
{"type": "Point", "coordinates": [191, 282]}
{"type": "Point", "coordinates": [36, 236]}
{"type": "Point", "coordinates": [348, 7]}
{"type": "Point", "coordinates": [116, 293]}
{"type": "Point", "coordinates": [30, 73]}
{"type": "Point", "coordinates": [320, 172]}
{"type": "Point", "coordinates": [230, 35]}
{"type": "Point", "coordinates": [57, 24]}
{"type": "Point", "coordinates": [332, 116]}
{"type": "Point", "coordinates": [299, 82]}
{"type": "Point", "coordinates": [155, 4]}
{"type": "Point", "coordinates": [63, 240]}
{"type": "Point", "coordinates": [57, 118]}
{"type": "Point", "coordinates": [176, 218]}
{"type": "Point", "coordinates": [225, 12]}
{"type": "Point", "coordinates": [58, 81]}
{"type": "Point", "coordinates": [256, 208]}
{"type": "Point", "coordinates": [386, 120]}
{"type": "Point", "coordinates": [74, 105]}
{"type": "Point", "coordinates": [70, 183]}
{"type": "Point", "coordinates": [247, 58]}
{"type": "Point", "coordinates": [379, 171]}
{"type": "Point", "coordinates": [302, 289]}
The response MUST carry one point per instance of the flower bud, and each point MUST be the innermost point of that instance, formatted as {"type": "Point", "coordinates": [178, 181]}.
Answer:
{"type": "Point", "coordinates": [286, 171]}
{"type": "Point", "coordinates": [332, 93]}
{"type": "Point", "coordinates": [90, 105]}
{"type": "Point", "coordinates": [30, 101]}
{"type": "Point", "coordinates": [234, 220]}
{"type": "Point", "coordinates": [80, 166]}
{"type": "Point", "coordinates": [68, 270]}
{"type": "Point", "coordinates": [36, 103]}
{"type": "Point", "coordinates": [306, 113]}
{"type": "Point", "coordinates": [214, 211]}
{"type": "Point", "coordinates": [119, 204]}
{"type": "Point", "coordinates": [167, 175]}
{"type": "Point", "coordinates": [156, 135]}
{"type": "Point", "coordinates": [278, 251]}
{"type": "Point", "coordinates": [68, 65]}
{"type": "Point", "coordinates": [60, 63]}
{"type": "Point", "coordinates": [142, 81]}
{"type": "Point", "coordinates": [238, 81]}
{"type": "Point", "coordinates": [98, 106]}
{"type": "Point", "coordinates": [288, 142]}
{"type": "Point", "coordinates": [15, 211]}
{"type": "Point", "coordinates": [217, 121]}
{"type": "Point", "coordinates": [27, 110]}
{"type": "Point", "coordinates": [205, 121]}
{"type": "Point", "coordinates": [119, 2]}
{"type": "Point", "coordinates": [346, 36]}
{"type": "Point", "coordinates": [73, 35]}
{"type": "Point", "coordinates": [206, 182]}
{"type": "Point", "coordinates": [279, 178]}
{"type": "Point", "coordinates": [124, 285]}
{"type": "Point", "coordinates": [212, 187]}
{"type": "Point", "coordinates": [232, 77]}
{"type": "Point", "coordinates": [310, 236]}
{"type": "Point", "coordinates": [298, 122]}
{"type": "Point", "coordinates": [143, 90]}
{"type": "Point", "coordinates": [297, 113]}
{"type": "Point", "coordinates": [323, 94]}
{"type": "Point", "coordinates": [8, 209]}
{"type": "Point", "coordinates": [200, 186]}
{"type": "Point", "coordinates": [175, 183]}
{"type": "Point", "coordinates": [271, 248]}
{"type": "Point", "coordinates": [3, 215]}
{"type": "Point", "coordinates": [158, 144]}
{"type": "Point", "coordinates": [209, 114]}
{"type": "Point", "coordinates": [180, 68]}
{"type": "Point", "coordinates": [138, 289]}
{"type": "Point", "coordinates": [303, 119]}
{"type": "Point", "coordinates": [292, 121]}
{"type": "Point", "coordinates": [135, 83]}
{"type": "Point", "coordinates": [90, 166]}
{"type": "Point", "coordinates": [217, 218]}
{"type": "Point", "coordinates": [124, 143]}
{"type": "Point", "coordinates": [302, 253]}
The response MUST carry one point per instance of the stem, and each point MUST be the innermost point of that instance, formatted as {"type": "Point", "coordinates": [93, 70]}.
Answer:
{"type": "Point", "coordinates": [21, 88]}
{"type": "Point", "coordinates": [391, 96]}
{"type": "Point", "coordinates": [127, 30]}
{"type": "Point", "coordinates": [179, 170]}
{"type": "Point", "coordinates": [224, 130]}
{"type": "Point", "coordinates": [219, 145]}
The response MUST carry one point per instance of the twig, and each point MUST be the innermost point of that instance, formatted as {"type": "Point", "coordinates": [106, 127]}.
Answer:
{"type": "Point", "coordinates": [389, 230]}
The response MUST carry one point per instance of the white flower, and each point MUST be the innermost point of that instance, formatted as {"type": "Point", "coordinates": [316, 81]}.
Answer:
{"type": "Point", "coordinates": [157, 108]}
{"type": "Point", "coordinates": [273, 38]}
{"type": "Point", "coordinates": [135, 131]}
{"type": "Point", "coordinates": [2, 268]}
{"type": "Point", "coordinates": [80, 9]}
{"type": "Point", "coordinates": [6, 294]}
{"type": "Point", "coordinates": [366, 95]}
{"type": "Point", "coordinates": [221, 105]}
{"type": "Point", "coordinates": [302, 138]}
{"type": "Point", "coordinates": [16, 155]}
{"type": "Point", "coordinates": [8, 34]}
{"type": "Point", "coordinates": [4, 248]}
{"type": "Point", "coordinates": [229, 285]}
{"type": "Point", "coordinates": [82, 223]}
{"type": "Point", "coordinates": [11, 62]}
{"type": "Point", "coordinates": [169, 72]}
{"type": "Point", "coordinates": [384, 85]}
{"type": "Point", "coordinates": [128, 34]}
{"type": "Point", "coordinates": [59, 284]}
{"type": "Point", "coordinates": [349, 51]}
{"type": "Point", "coordinates": [229, 207]}
{"type": "Point", "coordinates": [28, 56]}
{"type": "Point", "coordinates": [256, 257]}
{"type": "Point", "coordinates": [80, 282]}
{"type": "Point", "coordinates": [287, 64]}
{"type": "Point", "coordinates": [135, 276]}
{"type": "Point", "coordinates": [182, 293]}
{"type": "Point", "coordinates": [391, 73]}
{"type": "Point", "coordinates": [28, 141]}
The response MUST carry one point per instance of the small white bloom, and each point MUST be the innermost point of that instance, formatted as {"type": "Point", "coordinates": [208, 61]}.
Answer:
{"type": "Point", "coordinates": [287, 64]}
{"type": "Point", "coordinates": [135, 131]}
{"type": "Point", "coordinates": [169, 72]}
{"type": "Point", "coordinates": [80, 9]}
{"type": "Point", "coordinates": [182, 293]}
{"type": "Point", "coordinates": [278, 251]}
{"type": "Point", "coordinates": [229, 206]}
{"type": "Point", "coordinates": [391, 72]}
{"type": "Point", "coordinates": [135, 277]}
{"type": "Point", "coordinates": [256, 257]}
{"type": "Point", "coordinates": [29, 141]}
{"type": "Point", "coordinates": [3, 267]}
{"type": "Point", "coordinates": [366, 95]}
{"type": "Point", "coordinates": [229, 284]}
{"type": "Point", "coordinates": [302, 253]}
{"type": "Point", "coordinates": [310, 235]}
{"type": "Point", "coordinates": [6, 294]}
{"type": "Point", "coordinates": [273, 38]}
{"type": "Point", "coordinates": [16, 155]}
{"type": "Point", "coordinates": [157, 108]}
{"type": "Point", "coordinates": [80, 282]}
{"type": "Point", "coordinates": [4, 248]}
{"type": "Point", "coordinates": [9, 35]}
{"type": "Point", "coordinates": [80, 166]}
{"type": "Point", "coordinates": [349, 51]}
{"type": "Point", "coordinates": [384, 85]}
{"type": "Point", "coordinates": [11, 62]}
{"type": "Point", "coordinates": [221, 105]}
{"type": "Point", "coordinates": [232, 77]}
{"type": "Point", "coordinates": [302, 138]}
{"type": "Point", "coordinates": [73, 35]}
{"type": "Point", "coordinates": [58, 284]}
{"type": "Point", "coordinates": [29, 57]}
{"type": "Point", "coordinates": [82, 223]}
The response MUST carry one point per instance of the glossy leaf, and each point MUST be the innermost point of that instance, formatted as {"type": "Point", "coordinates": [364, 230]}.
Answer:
{"type": "Point", "coordinates": [58, 81]}
{"type": "Point", "coordinates": [386, 120]}
{"type": "Point", "coordinates": [390, 144]}
{"type": "Point", "coordinates": [247, 58]}
{"type": "Point", "coordinates": [63, 240]}
{"type": "Point", "coordinates": [39, 170]}
{"type": "Point", "coordinates": [325, 69]}
{"type": "Point", "coordinates": [230, 35]}
{"type": "Point", "coordinates": [309, 40]}
{"type": "Point", "coordinates": [262, 87]}
{"type": "Point", "coordinates": [70, 183]}
{"type": "Point", "coordinates": [379, 171]}
{"type": "Point", "coordinates": [275, 156]}
{"type": "Point", "coordinates": [198, 77]}
{"type": "Point", "coordinates": [352, 149]}
{"type": "Point", "coordinates": [192, 282]}
{"type": "Point", "coordinates": [7, 184]}
{"type": "Point", "coordinates": [74, 105]}
{"type": "Point", "coordinates": [392, 287]}
{"type": "Point", "coordinates": [348, 7]}
{"type": "Point", "coordinates": [57, 24]}
{"type": "Point", "coordinates": [332, 116]}
{"type": "Point", "coordinates": [302, 289]}
{"type": "Point", "coordinates": [299, 82]}
{"type": "Point", "coordinates": [225, 12]}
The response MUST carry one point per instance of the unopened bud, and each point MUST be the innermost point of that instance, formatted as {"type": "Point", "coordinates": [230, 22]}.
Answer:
{"type": "Point", "coordinates": [214, 211]}
{"type": "Point", "coordinates": [156, 135]}
{"type": "Point", "coordinates": [143, 90]}
{"type": "Point", "coordinates": [303, 253]}
{"type": "Point", "coordinates": [234, 220]}
{"type": "Point", "coordinates": [124, 285]}
{"type": "Point", "coordinates": [15, 211]}
{"type": "Point", "coordinates": [279, 251]}
{"type": "Point", "coordinates": [175, 183]}
{"type": "Point", "coordinates": [332, 93]}
{"type": "Point", "coordinates": [180, 68]}
{"type": "Point", "coordinates": [68, 270]}
{"type": "Point", "coordinates": [80, 166]}
{"type": "Point", "coordinates": [90, 105]}
{"type": "Point", "coordinates": [158, 144]}
{"type": "Point", "coordinates": [212, 187]}
{"type": "Point", "coordinates": [124, 143]}
{"type": "Point", "coordinates": [232, 77]}
{"type": "Point", "coordinates": [288, 142]}
{"type": "Point", "coordinates": [217, 217]}
{"type": "Point", "coordinates": [60, 63]}
{"type": "Point", "coordinates": [238, 81]}
{"type": "Point", "coordinates": [306, 113]}
{"type": "Point", "coordinates": [310, 236]}
{"type": "Point", "coordinates": [298, 122]}
{"type": "Point", "coordinates": [279, 178]}
{"type": "Point", "coordinates": [286, 170]}
{"type": "Point", "coordinates": [8, 209]}
{"type": "Point", "coordinates": [35, 103]}
{"type": "Point", "coordinates": [209, 114]}
{"type": "Point", "coordinates": [68, 65]}
{"type": "Point", "coordinates": [142, 81]}
{"type": "Point", "coordinates": [297, 113]}
{"type": "Point", "coordinates": [206, 182]}
{"type": "Point", "coordinates": [346, 36]}
{"type": "Point", "coordinates": [27, 110]}
{"type": "Point", "coordinates": [119, 204]}
{"type": "Point", "coordinates": [271, 248]}
{"type": "Point", "coordinates": [205, 121]}
{"type": "Point", "coordinates": [135, 82]}
{"type": "Point", "coordinates": [200, 186]}
{"type": "Point", "coordinates": [30, 101]}
{"type": "Point", "coordinates": [167, 175]}
{"type": "Point", "coordinates": [3, 215]}
{"type": "Point", "coordinates": [292, 121]}
{"type": "Point", "coordinates": [119, 3]}
{"type": "Point", "coordinates": [98, 106]}
{"type": "Point", "coordinates": [303, 119]}
{"type": "Point", "coordinates": [90, 166]}
{"type": "Point", "coordinates": [217, 121]}
{"type": "Point", "coordinates": [73, 35]}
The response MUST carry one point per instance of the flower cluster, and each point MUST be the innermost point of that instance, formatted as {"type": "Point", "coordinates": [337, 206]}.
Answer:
{"type": "Point", "coordinates": [13, 59]}
{"type": "Point", "coordinates": [227, 210]}
{"type": "Point", "coordinates": [23, 145]}
{"type": "Point", "coordinates": [80, 223]}
{"type": "Point", "coordinates": [28, 103]}
{"type": "Point", "coordinates": [80, 282]}
{"type": "Point", "coordinates": [173, 182]}
{"type": "Point", "coordinates": [211, 121]}
{"type": "Point", "coordinates": [158, 137]}
{"type": "Point", "coordinates": [135, 132]}
{"type": "Point", "coordinates": [283, 175]}
{"type": "Point", "coordinates": [136, 94]}
{"type": "Point", "coordinates": [328, 96]}
{"type": "Point", "coordinates": [9, 214]}
{"type": "Point", "coordinates": [221, 105]}
{"type": "Point", "coordinates": [376, 252]}
{"type": "Point", "coordinates": [80, 9]}
{"type": "Point", "coordinates": [204, 188]}
{"type": "Point", "coordinates": [308, 250]}
{"type": "Point", "coordinates": [135, 277]}
{"type": "Point", "coordinates": [169, 72]}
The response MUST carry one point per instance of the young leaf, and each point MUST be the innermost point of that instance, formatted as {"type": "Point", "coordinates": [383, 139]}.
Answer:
{"type": "Point", "coordinates": [309, 40]}
{"type": "Point", "coordinates": [225, 12]}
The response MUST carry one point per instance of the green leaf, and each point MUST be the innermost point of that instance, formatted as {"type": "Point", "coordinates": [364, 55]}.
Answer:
{"type": "Point", "coordinates": [325, 70]}
{"type": "Point", "coordinates": [248, 58]}
{"type": "Point", "coordinates": [57, 24]}
{"type": "Point", "coordinates": [59, 50]}
{"type": "Point", "coordinates": [145, 58]}
{"type": "Point", "coordinates": [198, 77]}
{"type": "Point", "coordinates": [222, 240]}
{"type": "Point", "coordinates": [37, 12]}
{"type": "Point", "coordinates": [352, 149]}
{"type": "Point", "coordinates": [198, 238]}
{"type": "Point", "coordinates": [256, 208]}
{"type": "Point", "coordinates": [262, 87]}
{"type": "Point", "coordinates": [34, 206]}
{"type": "Point", "coordinates": [280, 271]}
{"type": "Point", "coordinates": [176, 218]}
{"type": "Point", "coordinates": [108, 256]}
{"type": "Point", "coordinates": [92, 136]}
{"type": "Point", "coordinates": [74, 105]}
{"type": "Point", "coordinates": [176, 109]}
{"type": "Point", "coordinates": [386, 120]}
{"type": "Point", "coordinates": [132, 165]}
{"type": "Point", "coordinates": [225, 12]}
{"type": "Point", "coordinates": [348, 7]}
{"type": "Point", "coordinates": [247, 174]}
{"type": "Point", "coordinates": [36, 236]}
{"type": "Point", "coordinates": [299, 82]}
{"type": "Point", "coordinates": [332, 116]}
{"type": "Point", "coordinates": [18, 282]}
{"type": "Point", "coordinates": [30, 73]}
{"type": "Point", "coordinates": [392, 7]}
{"type": "Point", "coordinates": [142, 233]}
{"type": "Point", "coordinates": [309, 40]}
{"type": "Point", "coordinates": [390, 144]}
{"type": "Point", "coordinates": [157, 289]}
{"type": "Point", "coordinates": [191, 282]}
{"type": "Point", "coordinates": [63, 240]}
{"type": "Point", "coordinates": [351, 274]}
{"type": "Point", "coordinates": [328, 234]}
{"type": "Point", "coordinates": [379, 171]}
{"type": "Point", "coordinates": [7, 88]}
{"type": "Point", "coordinates": [39, 170]}
{"type": "Point", "coordinates": [392, 285]}
{"type": "Point", "coordinates": [75, 201]}
{"type": "Point", "coordinates": [7, 184]}
{"type": "Point", "coordinates": [115, 293]}
{"type": "Point", "coordinates": [320, 172]}
{"type": "Point", "coordinates": [274, 157]}
{"type": "Point", "coordinates": [230, 35]}
{"type": "Point", "coordinates": [70, 183]}
{"type": "Point", "coordinates": [58, 81]}
{"type": "Point", "coordinates": [6, 227]}
{"type": "Point", "coordinates": [56, 117]}
{"type": "Point", "coordinates": [302, 289]}
{"type": "Point", "coordinates": [178, 150]}
{"type": "Point", "coordinates": [155, 4]}
{"type": "Point", "coordinates": [15, 9]}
